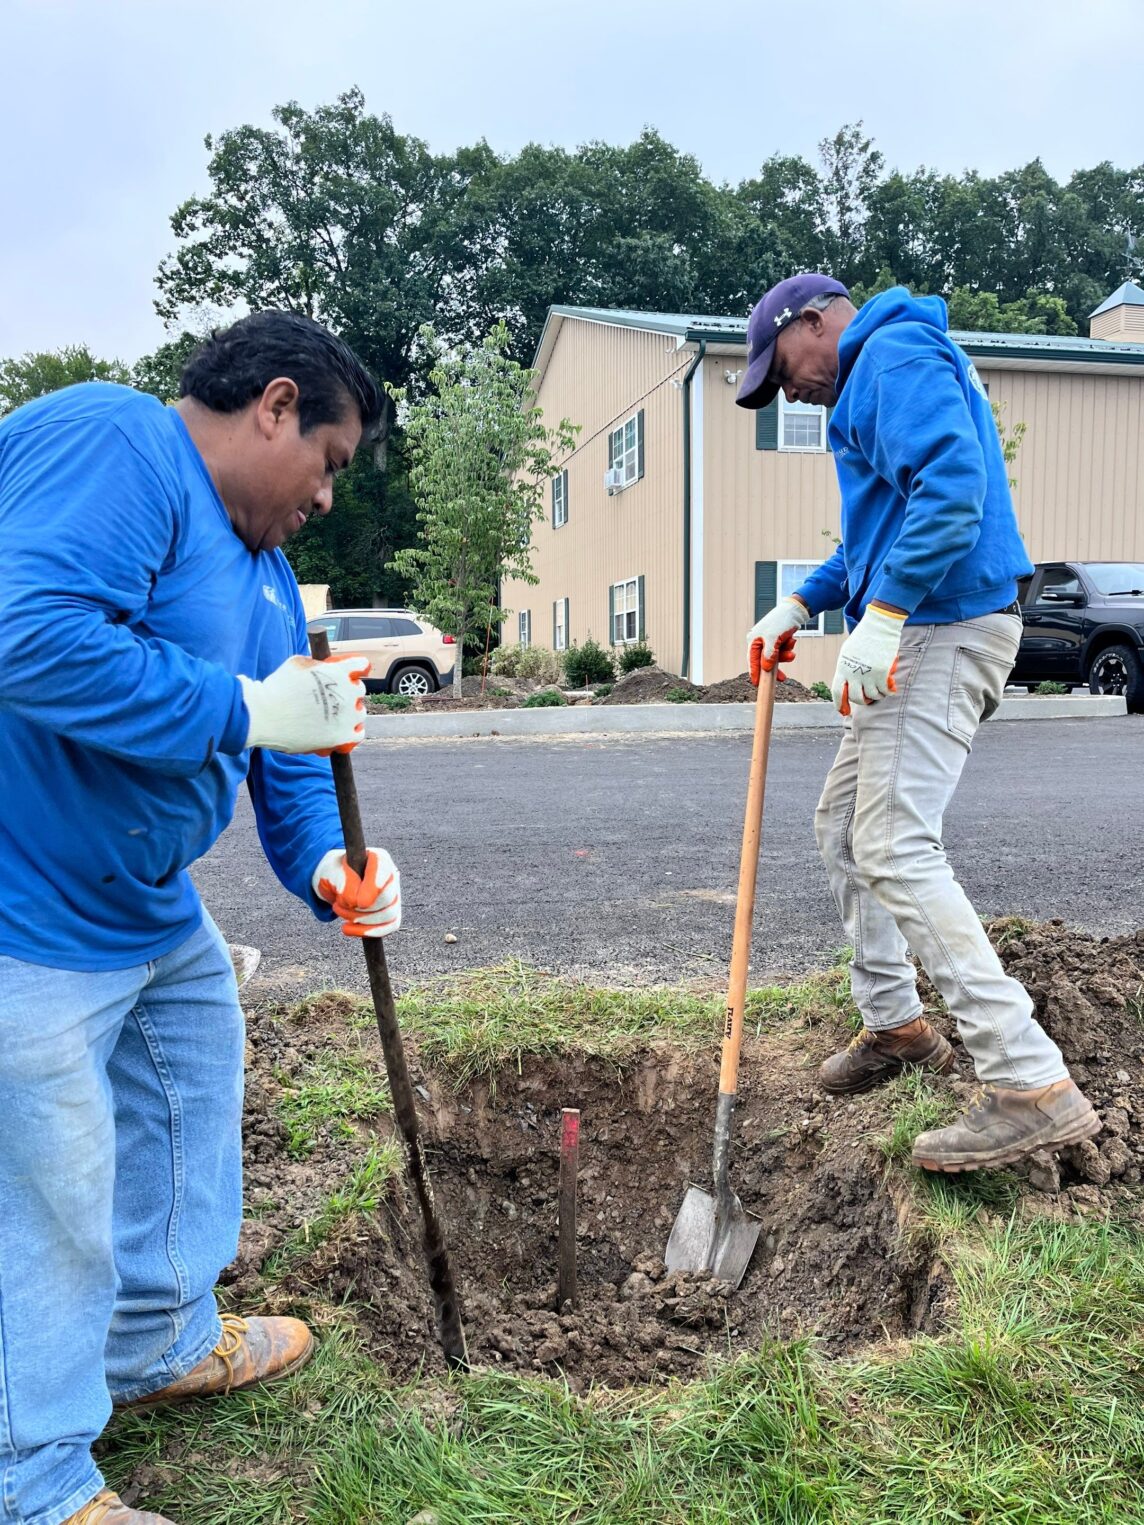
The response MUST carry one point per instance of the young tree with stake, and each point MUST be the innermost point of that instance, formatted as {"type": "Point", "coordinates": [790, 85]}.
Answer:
{"type": "Point", "coordinates": [481, 457]}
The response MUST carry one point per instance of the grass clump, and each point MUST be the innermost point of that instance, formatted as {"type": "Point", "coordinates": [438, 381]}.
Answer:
{"type": "Point", "coordinates": [333, 1091]}
{"type": "Point", "coordinates": [545, 698]}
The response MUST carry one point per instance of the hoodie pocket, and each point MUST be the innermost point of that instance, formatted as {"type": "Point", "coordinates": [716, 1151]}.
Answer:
{"type": "Point", "coordinates": [979, 679]}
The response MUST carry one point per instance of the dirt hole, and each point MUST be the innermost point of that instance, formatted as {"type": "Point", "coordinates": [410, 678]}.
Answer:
{"type": "Point", "coordinates": [840, 1256]}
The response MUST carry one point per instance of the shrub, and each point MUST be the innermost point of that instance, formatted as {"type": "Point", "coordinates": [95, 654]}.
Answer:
{"type": "Point", "coordinates": [639, 655]}
{"type": "Point", "coordinates": [821, 690]}
{"type": "Point", "coordinates": [602, 690]}
{"type": "Point", "coordinates": [681, 695]}
{"type": "Point", "coordinates": [587, 664]}
{"type": "Point", "coordinates": [526, 662]}
{"type": "Point", "coordinates": [544, 699]}
{"type": "Point", "coordinates": [393, 701]}
{"type": "Point", "coordinates": [1049, 687]}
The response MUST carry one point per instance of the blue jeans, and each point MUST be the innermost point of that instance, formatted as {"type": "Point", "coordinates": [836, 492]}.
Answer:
{"type": "Point", "coordinates": [120, 1200]}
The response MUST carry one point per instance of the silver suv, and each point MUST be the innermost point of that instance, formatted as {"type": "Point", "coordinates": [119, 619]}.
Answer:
{"type": "Point", "coordinates": [407, 655]}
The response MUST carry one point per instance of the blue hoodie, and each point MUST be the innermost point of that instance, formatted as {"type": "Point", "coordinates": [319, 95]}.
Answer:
{"type": "Point", "coordinates": [129, 605]}
{"type": "Point", "coordinates": [927, 519]}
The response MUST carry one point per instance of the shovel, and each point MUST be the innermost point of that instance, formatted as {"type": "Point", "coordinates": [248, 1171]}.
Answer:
{"type": "Point", "coordinates": [713, 1233]}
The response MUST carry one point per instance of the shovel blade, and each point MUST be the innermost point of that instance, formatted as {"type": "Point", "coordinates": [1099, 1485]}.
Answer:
{"type": "Point", "coordinates": [701, 1242]}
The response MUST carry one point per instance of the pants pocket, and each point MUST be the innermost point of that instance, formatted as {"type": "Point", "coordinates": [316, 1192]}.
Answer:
{"type": "Point", "coordinates": [979, 679]}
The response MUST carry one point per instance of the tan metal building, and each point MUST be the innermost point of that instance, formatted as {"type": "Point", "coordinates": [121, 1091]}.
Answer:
{"type": "Point", "coordinates": [678, 516]}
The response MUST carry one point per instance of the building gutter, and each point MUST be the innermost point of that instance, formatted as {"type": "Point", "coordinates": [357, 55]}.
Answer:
{"type": "Point", "coordinates": [688, 374]}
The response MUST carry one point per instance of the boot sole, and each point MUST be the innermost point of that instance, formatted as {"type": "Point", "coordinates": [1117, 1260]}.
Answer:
{"type": "Point", "coordinates": [1010, 1154]}
{"type": "Point", "coordinates": [867, 1083]}
{"type": "Point", "coordinates": [160, 1402]}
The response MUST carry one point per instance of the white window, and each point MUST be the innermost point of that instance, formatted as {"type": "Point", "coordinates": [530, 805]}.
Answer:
{"type": "Point", "coordinates": [524, 627]}
{"type": "Point", "coordinates": [624, 450]}
{"type": "Point", "coordinates": [626, 611]}
{"type": "Point", "coordinates": [792, 574]}
{"type": "Point", "coordinates": [560, 624]}
{"type": "Point", "coordinates": [559, 499]}
{"type": "Point", "coordinates": [801, 426]}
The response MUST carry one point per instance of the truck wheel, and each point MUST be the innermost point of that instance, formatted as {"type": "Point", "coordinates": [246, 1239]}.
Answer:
{"type": "Point", "coordinates": [1117, 670]}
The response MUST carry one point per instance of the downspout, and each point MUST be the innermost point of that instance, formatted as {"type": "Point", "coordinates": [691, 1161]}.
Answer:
{"type": "Point", "coordinates": [691, 369]}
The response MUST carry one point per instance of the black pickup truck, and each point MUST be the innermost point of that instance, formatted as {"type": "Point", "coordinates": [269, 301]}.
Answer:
{"type": "Point", "coordinates": [1084, 624]}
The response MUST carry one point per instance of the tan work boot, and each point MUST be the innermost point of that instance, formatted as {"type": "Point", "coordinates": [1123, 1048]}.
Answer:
{"type": "Point", "coordinates": [1002, 1126]}
{"type": "Point", "coordinates": [107, 1508]}
{"type": "Point", "coordinates": [875, 1056]}
{"type": "Point", "coordinates": [250, 1351]}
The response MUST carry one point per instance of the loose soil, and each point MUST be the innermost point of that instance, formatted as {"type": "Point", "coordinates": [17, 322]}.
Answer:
{"type": "Point", "coordinates": [840, 1256]}
{"type": "Point", "coordinates": [646, 685]}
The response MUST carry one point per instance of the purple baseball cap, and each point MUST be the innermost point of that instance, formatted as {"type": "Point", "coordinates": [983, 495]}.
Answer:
{"type": "Point", "coordinates": [780, 306]}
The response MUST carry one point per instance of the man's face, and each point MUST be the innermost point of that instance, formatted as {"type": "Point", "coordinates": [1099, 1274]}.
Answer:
{"type": "Point", "coordinates": [805, 363]}
{"type": "Point", "coordinates": [288, 475]}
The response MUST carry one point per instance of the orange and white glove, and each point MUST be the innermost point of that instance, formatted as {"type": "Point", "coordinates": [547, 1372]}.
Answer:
{"type": "Point", "coordinates": [370, 906]}
{"type": "Point", "coordinates": [771, 640]}
{"type": "Point", "coordinates": [867, 659]}
{"type": "Point", "coordinates": [308, 706]}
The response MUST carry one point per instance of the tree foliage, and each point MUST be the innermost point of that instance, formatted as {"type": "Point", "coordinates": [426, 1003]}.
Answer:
{"type": "Point", "coordinates": [30, 376]}
{"type": "Point", "coordinates": [481, 459]}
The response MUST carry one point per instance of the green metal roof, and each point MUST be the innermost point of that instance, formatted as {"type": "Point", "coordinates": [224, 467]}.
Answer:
{"type": "Point", "coordinates": [689, 328]}
{"type": "Point", "coordinates": [1128, 295]}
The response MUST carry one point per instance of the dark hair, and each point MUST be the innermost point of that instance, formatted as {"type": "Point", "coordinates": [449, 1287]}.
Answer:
{"type": "Point", "coordinates": [236, 365]}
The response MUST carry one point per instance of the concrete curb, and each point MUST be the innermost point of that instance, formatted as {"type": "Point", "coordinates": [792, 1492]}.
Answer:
{"type": "Point", "coordinates": [688, 719]}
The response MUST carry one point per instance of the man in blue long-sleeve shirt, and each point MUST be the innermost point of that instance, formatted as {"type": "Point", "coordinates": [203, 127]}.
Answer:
{"type": "Point", "coordinates": [927, 571]}
{"type": "Point", "coordinates": [152, 659]}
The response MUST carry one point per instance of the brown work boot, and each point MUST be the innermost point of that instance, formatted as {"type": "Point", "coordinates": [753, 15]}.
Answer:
{"type": "Point", "coordinates": [875, 1056]}
{"type": "Point", "coordinates": [251, 1351]}
{"type": "Point", "coordinates": [107, 1508]}
{"type": "Point", "coordinates": [1002, 1126]}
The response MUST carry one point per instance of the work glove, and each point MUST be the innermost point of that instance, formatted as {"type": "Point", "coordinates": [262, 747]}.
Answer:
{"type": "Point", "coordinates": [867, 659]}
{"type": "Point", "coordinates": [370, 906]}
{"type": "Point", "coordinates": [308, 706]}
{"type": "Point", "coordinates": [772, 640]}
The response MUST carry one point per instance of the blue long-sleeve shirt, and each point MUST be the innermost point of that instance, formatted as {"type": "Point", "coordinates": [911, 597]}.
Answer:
{"type": "Point", "coordinates": [927, 518]}
{"type": "Point", "coordinates": [128, 605]}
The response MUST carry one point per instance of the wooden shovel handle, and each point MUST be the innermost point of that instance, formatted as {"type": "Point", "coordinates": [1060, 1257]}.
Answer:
{"type": "Point", "coordinates": [745, 900]}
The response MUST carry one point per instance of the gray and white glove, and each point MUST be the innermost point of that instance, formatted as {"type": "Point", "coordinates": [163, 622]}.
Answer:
{"type": "Point", "coordinates": [308, 706]}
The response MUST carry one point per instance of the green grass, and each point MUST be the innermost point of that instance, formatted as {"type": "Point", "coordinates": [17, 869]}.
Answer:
{"type": "Point", "coordinates": [1030, 1411]}
{"type": "Point", "coordinates": [474, 1024]}
{"type": "Point", "coordinates": [334, 1090]}
{"type": "Point", "coordinates": [545, 698]}
{"type": "Point", "coordinates": [821, 690]}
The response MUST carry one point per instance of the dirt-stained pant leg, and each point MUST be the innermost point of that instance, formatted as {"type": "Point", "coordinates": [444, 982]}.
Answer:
{"type": "Point", "coordinates": [911, 749]}
{"type": "Point", "coordinates": [881, 975]}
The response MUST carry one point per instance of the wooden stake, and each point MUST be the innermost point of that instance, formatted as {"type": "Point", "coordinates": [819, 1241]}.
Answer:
{"type": "Point", "coordinates": [566, 1229]}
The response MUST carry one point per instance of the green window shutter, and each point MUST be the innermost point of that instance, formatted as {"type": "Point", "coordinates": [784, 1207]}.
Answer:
{"type": "Point", "coordinates": [826, 429]}
{"type": "Point", "coordinates": [567, 628]}
{"type": "Point", "coordinates": [611, 442]}
{"type": "Point", "coordinates": [639, 442]}
{"type": "Point", "coordinates": [554, 624]}
{"type": "Point", "coordinates": [766, 586]}
{"type": "Point", "coordinates": [553, 490]}
{"type": "Point", "coordinates": [834, 624]}
{"type": "Point", "coordinates": [564, 474]}
{"type": "Point", "coordinates": [767, 427]}
{"type": "Point", "coordinates": [612, 615]}
{"type": "Point", "coordinates": [642, 619]}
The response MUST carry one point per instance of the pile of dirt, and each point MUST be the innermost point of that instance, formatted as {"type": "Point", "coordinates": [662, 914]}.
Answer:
{"type": "Point", "coordinates": [741, 690]}
{"type": "Point", "coordinates": [649, 685]}
{"type": "Point", "coordinates": [835, 1259]}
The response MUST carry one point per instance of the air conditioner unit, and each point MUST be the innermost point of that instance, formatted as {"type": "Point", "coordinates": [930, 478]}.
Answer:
{"type": "Point", "coordinates": [614, 479]}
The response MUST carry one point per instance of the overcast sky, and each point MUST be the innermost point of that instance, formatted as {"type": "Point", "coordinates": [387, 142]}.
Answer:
{"type": "Point", "coordinates": [106, 103]}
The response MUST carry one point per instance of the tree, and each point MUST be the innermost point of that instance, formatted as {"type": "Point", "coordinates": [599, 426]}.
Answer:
{"type": "Point", "coordinates": [159, 373]}
{"type": "Point", "coordinates": [1010, 438]}
{"type": "Point", "coordinates": [481, 459]}
{"type": "Point", "coordinates": [35, 375]}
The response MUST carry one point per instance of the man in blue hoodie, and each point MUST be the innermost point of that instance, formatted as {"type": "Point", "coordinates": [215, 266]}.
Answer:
{"type": "Point", "coordinates": [152, 660]}
{"type": "Point", "coordinates": [927, 573]}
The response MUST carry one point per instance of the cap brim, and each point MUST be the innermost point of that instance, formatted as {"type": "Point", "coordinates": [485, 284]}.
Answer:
{"type": "Point", "coordinates": [756, 391]}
